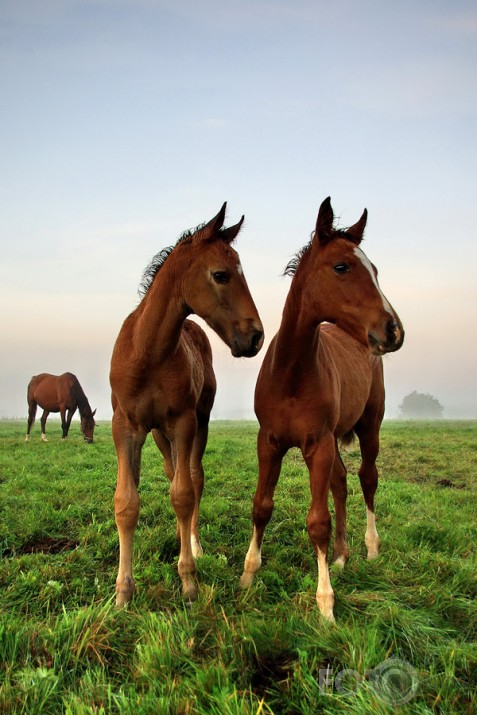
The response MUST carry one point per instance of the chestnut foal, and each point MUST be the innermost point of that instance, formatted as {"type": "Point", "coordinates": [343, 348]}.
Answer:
{"type": "Point", "coordinates": [162, 380]}
{"type": "Point", "coordinates": [320, 383]}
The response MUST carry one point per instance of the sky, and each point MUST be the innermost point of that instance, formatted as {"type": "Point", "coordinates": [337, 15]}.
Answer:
{"type": "Point", "coordinates": [125, 122]}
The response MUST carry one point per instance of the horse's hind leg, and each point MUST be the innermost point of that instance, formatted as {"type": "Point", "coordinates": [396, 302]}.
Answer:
{"type": "Point", "coordinates": [169, 459]}
{"type": "Point", "coordinates": [183, 499]}
{"type": "Point", "coordinates": [165, 447]}
{"type": "Point", "coordinates": [43, 425]}
{"type": "Point", "coordinates": [31, 418]}
{"type": "Point", "coordinates": [126, 503]}
{"type": "Point", "coordinates": [368, 435]}
{"type": "Point", "coordinates": [269, 465]}
{"type": "Point", "coordinates": [339, 490]}
{"type": "Point", "coordinates": [197, 475]}
{"type": "Point", "coordinates": [64, 423]}
{"type": "Point", "coordinates": [320, 462]}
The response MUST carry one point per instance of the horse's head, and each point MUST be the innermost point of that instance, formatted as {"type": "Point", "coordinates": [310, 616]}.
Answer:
{"type": "Point", "coordinates": [87, 425]}
{"type": "Point", "coordinates": [346, 285]}
{"type": "Point", "coordinates": [214, 287]}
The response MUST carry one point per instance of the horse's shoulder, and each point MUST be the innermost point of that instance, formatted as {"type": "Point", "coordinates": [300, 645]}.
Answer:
{"type": "Point", "coordinates": [196, 339]}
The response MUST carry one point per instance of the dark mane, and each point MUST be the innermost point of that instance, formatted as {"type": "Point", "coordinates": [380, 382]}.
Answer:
{"type": "Point", "coordinates": [160, 258]}
{"type": "Point", "coordinates": [150, 272]}
{"type": "Point", "coordinates": [294, 262]}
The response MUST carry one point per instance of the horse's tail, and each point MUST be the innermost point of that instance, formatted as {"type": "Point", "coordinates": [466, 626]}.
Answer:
{"type": "Point", "coordinates": [348, 438]}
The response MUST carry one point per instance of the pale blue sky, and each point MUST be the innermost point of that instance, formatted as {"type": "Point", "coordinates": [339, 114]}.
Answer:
{"type": "Point", "coordinates": [124, 122]}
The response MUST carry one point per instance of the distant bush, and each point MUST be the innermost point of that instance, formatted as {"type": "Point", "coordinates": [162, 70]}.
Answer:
{"type": "Point", "coordinates": [418, 405]}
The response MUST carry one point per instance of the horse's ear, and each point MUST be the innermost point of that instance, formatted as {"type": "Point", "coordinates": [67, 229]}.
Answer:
{"type": "Point", "coordinates": [355, 232]}
{"type": "Point", "coordinates": [324, 222]}
{"type": "Point", "coordinates": [94, 412]}
{"type": "Point", "coordinates": [211, 228]}
{"type": "Point", "coordinates": [231, 233]}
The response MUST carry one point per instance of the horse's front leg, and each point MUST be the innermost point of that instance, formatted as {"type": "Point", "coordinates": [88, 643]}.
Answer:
{"type": "Point", "coordinates": [66, 418]}
{"type": "Point", "coordinates": [64, 428]}
{"type": "Point", "coordinates": [43, 425]}
{"type": "Point", "coordinates": [183, 500]}
{"type": "Point", "coordinates": [320, 462]}
{"type": "Point", "coordinates": [126, 503]}
{"type": "Point", "coordinates": [269, 464]}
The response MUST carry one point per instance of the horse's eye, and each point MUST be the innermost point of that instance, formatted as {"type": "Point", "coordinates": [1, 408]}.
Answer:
{"type": "Point", "coordinates": [341, 268]}
{"type": "Point", "coordinates": [221, 277]}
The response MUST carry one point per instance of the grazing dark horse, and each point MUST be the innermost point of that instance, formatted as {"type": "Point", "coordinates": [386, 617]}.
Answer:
{"type": "Point", "coordinates": [63, 394]}
{"type": "Point", "coordinates": [319, 384]}
{"type": "Point", "coordinates": [162, 379]}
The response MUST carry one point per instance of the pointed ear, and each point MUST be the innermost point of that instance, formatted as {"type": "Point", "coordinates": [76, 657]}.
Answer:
{"type": "Point", "coordinates": [94, 413]}
{"type": "Point", "coordinates": [324, 222]}
{"type": "Point", "coordinates": [355, 233]}
{"type": "Point", "coordinates": [231, 233]}
{"type": "Point", "coordinates": [211, 228]}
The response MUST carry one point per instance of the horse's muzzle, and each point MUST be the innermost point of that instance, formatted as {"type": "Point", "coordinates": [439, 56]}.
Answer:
{"type": "Point", "coordinates": [247, 345]}
{"type": "Point", "coordinates": [393, 340]}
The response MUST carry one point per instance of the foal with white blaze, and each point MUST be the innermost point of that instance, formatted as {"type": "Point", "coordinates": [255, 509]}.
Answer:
{"type": "Point", "coordinates": [321, 381]}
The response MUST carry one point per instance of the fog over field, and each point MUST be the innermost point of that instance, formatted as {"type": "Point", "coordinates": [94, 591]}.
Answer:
{"type": "Point", "coordinates": [126, 123]}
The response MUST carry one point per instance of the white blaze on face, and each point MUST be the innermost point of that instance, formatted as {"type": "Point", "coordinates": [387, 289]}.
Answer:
{"type": "Point", "coordinates": [239, 269]}
{"type": "Point", "coordinates": [367, 264]}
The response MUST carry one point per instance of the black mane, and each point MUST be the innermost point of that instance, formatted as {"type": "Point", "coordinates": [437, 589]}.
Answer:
{"type": "Point", "coordinates": [294, 262]}
{"type": "Point", "coordinates": [150, 272]}
{"type": "Point", "coordinates": [160, 258]}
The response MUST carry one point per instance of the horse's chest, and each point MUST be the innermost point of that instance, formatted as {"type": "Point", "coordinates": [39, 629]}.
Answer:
{"type": "Point", "coordinates": [174, 389]}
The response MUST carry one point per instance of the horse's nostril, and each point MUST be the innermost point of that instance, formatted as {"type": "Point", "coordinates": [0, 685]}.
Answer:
{"type": "Point", "coordinates": [394, 332]}
{"type": "Point", "coordinates": [256, 338]}
{"type": "Point", "coordinates": [391, 329]}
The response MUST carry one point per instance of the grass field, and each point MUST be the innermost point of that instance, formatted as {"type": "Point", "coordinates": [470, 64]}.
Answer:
{"type": "Point", "coordinates": [404, 640]}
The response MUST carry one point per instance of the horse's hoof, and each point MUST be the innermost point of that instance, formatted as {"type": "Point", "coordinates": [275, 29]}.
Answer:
{"type": "Point", "coordinates": [124, 592]}
{"type": "Point", "coordinates": [27, 438]}
{"type": "Point", "coordinates": [44, 438]}
{"type": "Point", "coordinates": [325, 603]}
{"type": "Point", "coordinates": [189, 591]}
{"type": "Point", "coordinates": [340, 561]}
{"type": "Point", "coordinates": [246, 579]}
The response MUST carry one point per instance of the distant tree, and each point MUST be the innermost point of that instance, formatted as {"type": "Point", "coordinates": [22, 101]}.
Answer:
{"type": "Point", "coordinates": [418, 405]}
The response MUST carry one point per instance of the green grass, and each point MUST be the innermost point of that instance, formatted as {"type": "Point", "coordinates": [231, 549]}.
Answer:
{"type": "Point", "coordinates": [65, 649]}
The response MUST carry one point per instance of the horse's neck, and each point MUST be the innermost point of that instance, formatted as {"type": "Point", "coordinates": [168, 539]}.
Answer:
{"type": "Point", "coordinates": [158, 321]}
{"type": "Point", "coordinates": [82, 400]}
{"type": "Point", "coordinates": [297, 339]}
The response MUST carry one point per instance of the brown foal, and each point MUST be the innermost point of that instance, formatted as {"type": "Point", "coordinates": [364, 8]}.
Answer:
{"type": "Point", "coordinates": [319, 384]}
{"type": "Point", "coordinates": [163, 382]}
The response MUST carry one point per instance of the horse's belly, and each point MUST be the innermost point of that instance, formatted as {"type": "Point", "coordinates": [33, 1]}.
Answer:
{"type": "Point", "coordinates": [46, 400]}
